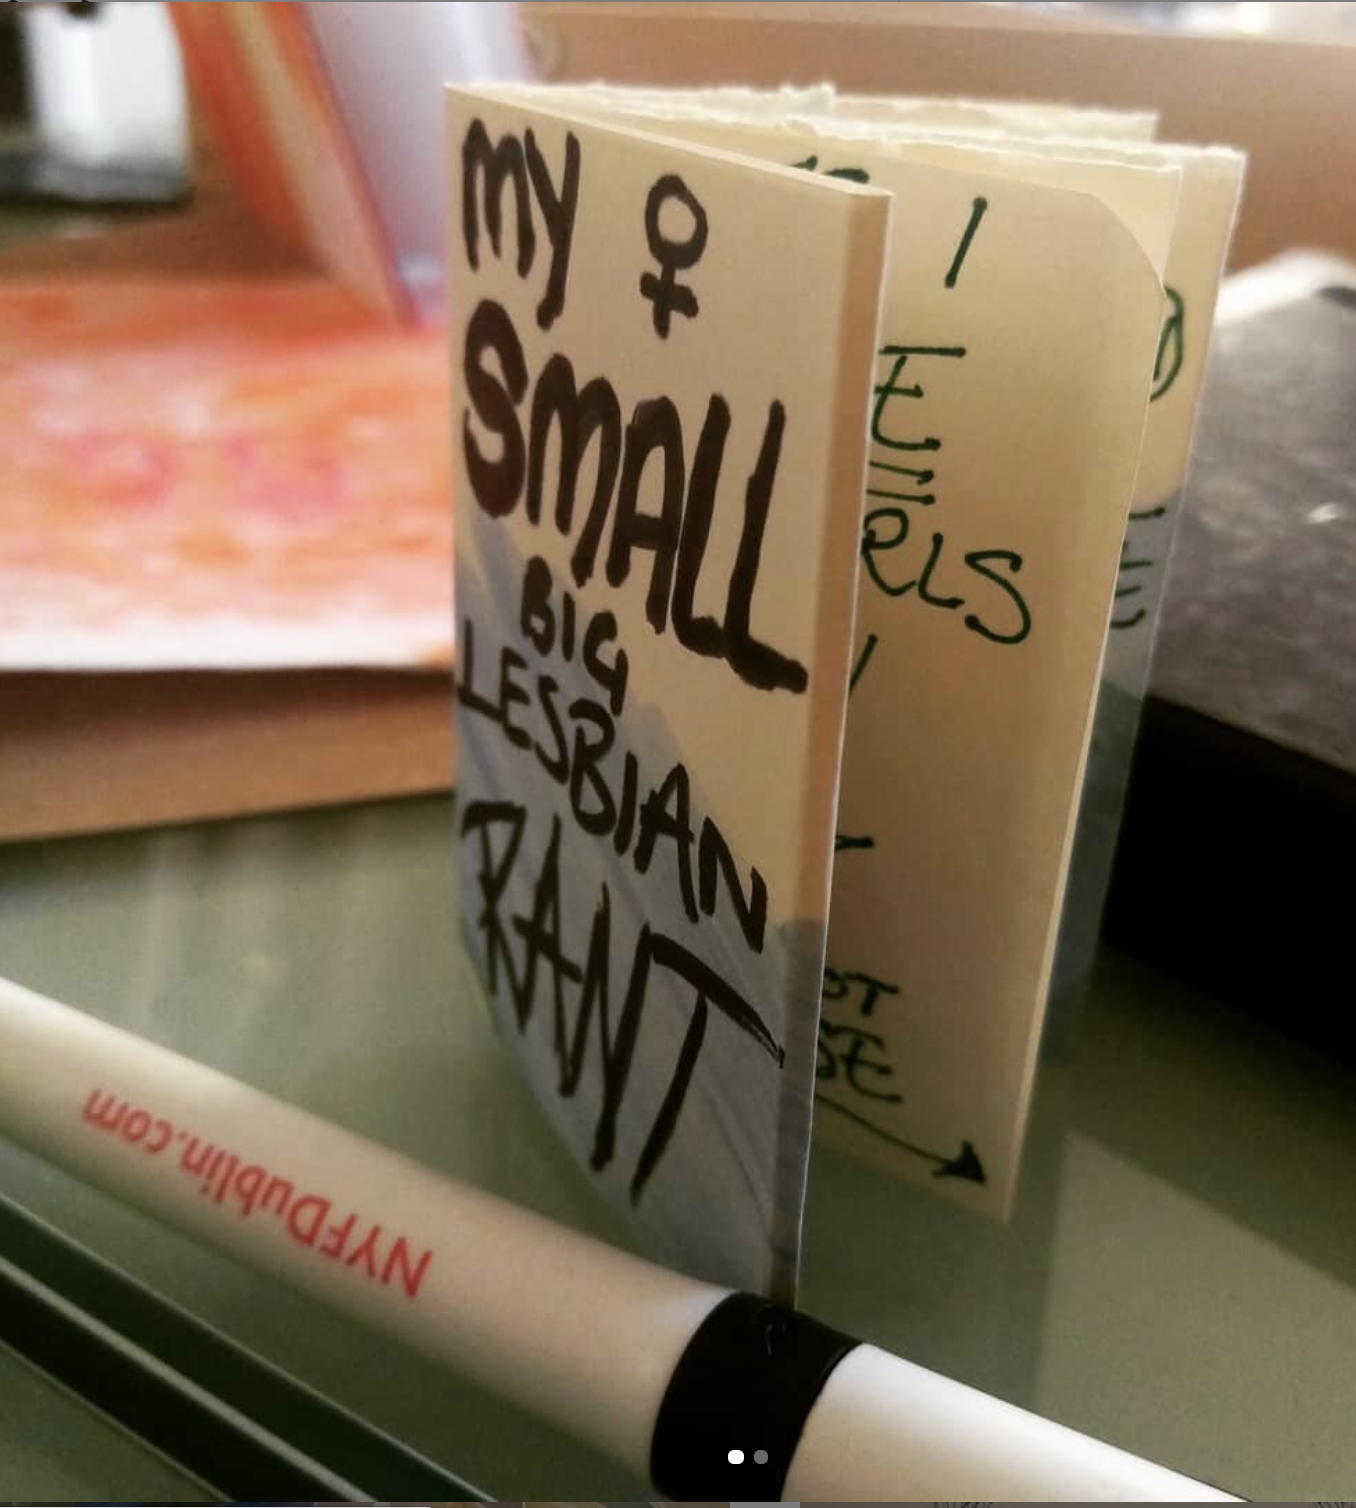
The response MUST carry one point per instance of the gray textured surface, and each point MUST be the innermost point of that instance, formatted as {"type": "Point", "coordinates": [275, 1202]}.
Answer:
{"type": "Point", "coordinates": [1259, 623]}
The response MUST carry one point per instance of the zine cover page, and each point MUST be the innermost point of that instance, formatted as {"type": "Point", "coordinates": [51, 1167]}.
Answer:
{"type": "Point", "coordinates": [661, 357]}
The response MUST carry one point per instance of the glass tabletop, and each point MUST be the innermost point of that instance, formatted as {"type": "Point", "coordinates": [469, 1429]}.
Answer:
{"type": "Point", "coordinates": [1179, 1276]}
{"type": "Point", "coordinates": [55, 1449]}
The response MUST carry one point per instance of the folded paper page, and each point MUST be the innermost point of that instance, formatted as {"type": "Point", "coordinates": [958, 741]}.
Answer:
{"type": "Point", "coordinates": [1025, 118]}
{"type": "Point", "coordinates": [662, 359]}
{"type": "Point", "coordinates": [1012, 377]}
{"type": "Point", "coordinates": [1020, 118]}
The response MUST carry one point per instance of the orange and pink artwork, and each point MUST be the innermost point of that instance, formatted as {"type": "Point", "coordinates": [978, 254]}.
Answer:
{"type": "Point", "coordinates": [219, 474]}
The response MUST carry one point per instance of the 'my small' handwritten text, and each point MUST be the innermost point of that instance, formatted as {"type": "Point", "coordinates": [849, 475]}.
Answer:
{"type": "Point", "coordinates": [633, 494]}
{"type": "Point", "coordinates": [506, 461]}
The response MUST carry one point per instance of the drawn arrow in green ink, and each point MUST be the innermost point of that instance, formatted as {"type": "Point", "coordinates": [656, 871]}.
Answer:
{"type": "Point", "coordinates": [965, 1164]}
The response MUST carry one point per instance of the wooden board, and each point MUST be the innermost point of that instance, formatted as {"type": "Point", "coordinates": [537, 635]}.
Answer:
{"type": "Point", "coordinates": [90, 753]}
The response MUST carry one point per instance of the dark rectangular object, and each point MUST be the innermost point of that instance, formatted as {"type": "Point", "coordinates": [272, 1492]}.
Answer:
{"type": "Point", "coordinates": [1233, 869]}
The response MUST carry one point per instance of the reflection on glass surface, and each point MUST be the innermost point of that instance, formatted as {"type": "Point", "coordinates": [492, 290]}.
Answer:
{"type": "Point", "coordinates": [55, 1449]}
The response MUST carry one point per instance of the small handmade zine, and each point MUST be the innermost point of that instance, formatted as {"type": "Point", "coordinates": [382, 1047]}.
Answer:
{"type": "Point", "coordinates": [796, 438]}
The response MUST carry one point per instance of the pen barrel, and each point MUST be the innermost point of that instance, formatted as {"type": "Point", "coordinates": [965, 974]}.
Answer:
{"type": "Point", "coordinates": [896, 1430]}
{"type": "Point", "coordinates": [572, 1329]}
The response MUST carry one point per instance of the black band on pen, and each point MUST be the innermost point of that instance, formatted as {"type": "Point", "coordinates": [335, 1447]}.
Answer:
{"type": "Point", "coordinates": [746, 1382]}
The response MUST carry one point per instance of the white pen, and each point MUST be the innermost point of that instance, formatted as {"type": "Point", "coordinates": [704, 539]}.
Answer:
{"type": "Point", "coordinates": [668, 1375]}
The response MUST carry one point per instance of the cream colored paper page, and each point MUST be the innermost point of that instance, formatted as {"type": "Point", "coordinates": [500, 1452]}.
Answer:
{"type": "Point", "coordinates": [662, 367]}
{"type": "Point", "coordinates": [1010, 396]}
{"type": "Point", "coordinates": [1020, 117]}
{"type": "Point", "coordinates": [746, 103]}
{"type": "Point", "coordinates": [1015, 540]}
